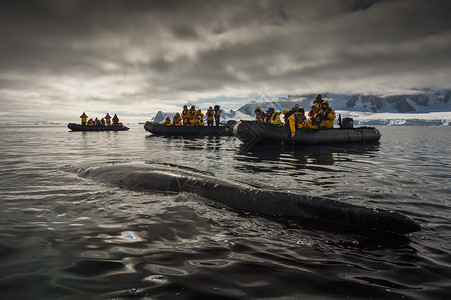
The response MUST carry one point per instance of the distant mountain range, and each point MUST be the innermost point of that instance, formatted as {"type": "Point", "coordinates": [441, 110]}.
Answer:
{"type": "Point", "coordinates": [403, 106]}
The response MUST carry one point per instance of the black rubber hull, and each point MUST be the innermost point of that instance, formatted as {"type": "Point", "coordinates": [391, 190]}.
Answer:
{"type": "Point", "coordinates": [249, 199]}
{"type": "Point", "coordinates": [252, 132]}
{"type": "Point", "coordinates": [79, 127]}
{"type": "Point", "coordinates": [163, 130]}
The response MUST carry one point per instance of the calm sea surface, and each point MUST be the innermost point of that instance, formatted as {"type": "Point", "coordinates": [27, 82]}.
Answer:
{"type": "Point", "coordinates": [66, 237]}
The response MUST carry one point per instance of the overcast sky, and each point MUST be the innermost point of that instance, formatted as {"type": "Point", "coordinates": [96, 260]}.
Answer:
{"type": "Point", "coordinates": [59, 58]}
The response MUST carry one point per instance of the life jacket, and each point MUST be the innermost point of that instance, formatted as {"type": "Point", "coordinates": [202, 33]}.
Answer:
{"type": "Point", "coordinates": [200, 119]}
{"type": "Point", "coordinates": [191, 118]}
{"type": "Point", "coordinates": [84, 117]}
{"type": "Point", "coordinates": [296, 122]}
{"type": "Point", "coordinates": [210, 114]}
{"type": "Point", "coordinates": [273, 119]}
{"type": "Point", "coordinates": [177, 120]}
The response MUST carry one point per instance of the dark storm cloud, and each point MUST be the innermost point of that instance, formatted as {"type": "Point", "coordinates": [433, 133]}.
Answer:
{"type": "Point", "coordinates": [104, 50]}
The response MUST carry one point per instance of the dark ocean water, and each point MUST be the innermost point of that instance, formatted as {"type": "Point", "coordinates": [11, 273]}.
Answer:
{"type": "Point", "coordinates": [67, 237]}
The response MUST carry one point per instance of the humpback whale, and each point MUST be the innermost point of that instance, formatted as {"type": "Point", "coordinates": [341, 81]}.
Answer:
{"type": "Point", "coordinates": [246, 198]}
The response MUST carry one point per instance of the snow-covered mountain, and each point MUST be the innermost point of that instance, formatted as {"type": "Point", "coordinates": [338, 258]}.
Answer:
{"type": "Point", "coordinates": [428, 107]}
{"type": "Point", "coordinates": [425, 108]}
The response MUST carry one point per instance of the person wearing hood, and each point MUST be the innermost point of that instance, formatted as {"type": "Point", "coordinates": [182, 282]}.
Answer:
{"type": "Point", "coordinates": [315, 121]}
{"type": "Point", "coordinates": [177, 120]}
{"type": "Point", "coordinates": [259, 115]}
{"type": "Point", "coordinates": [287, 113]}
{"type": "Point", "coordinates": [297, 120]}
{"type": "Point", "coordinates": [272, 117]}
{"type": "Point", "coordinates": [328, 115]}
{"type": "Point", "coordinates": [167, 122]}
{"type": "Point", "coordinates": [319, 100]}
{"type": "Point", "coordinates": [192, 116]}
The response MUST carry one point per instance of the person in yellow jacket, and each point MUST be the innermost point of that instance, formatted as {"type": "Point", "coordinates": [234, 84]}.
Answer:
{"type": "Point", "coordinates": [314, 110]}
{"type": "Point", "coordinates": [90, 122]}
{"type": "Point", "coordinates": [328, 115]}
{"type": "Point", "coordinates": [167, 122]}
{"type": "Point", "coordinates": [84, 118]}
{"type": "Point", "coordinates": [185, 115]}
{"type": "Point", "coordinates": [177, 120]}
{"type": "Point", "coordinates": [259, 115]}
{"type": "Point", "coordinates": [297, 120]}
{"type": "Point", "coordinates": [108, 119]}
{"type": "Point", "coordinates": [192, 116]}
{"type": "Point", "coordinates": [272, 117]}
{"type": "Point", "coordinates": [200, 118]}
{"type": "Point", "coordinates": [288, 113]}
{"type": "Point", "coordinates": [210, 116]}
{"type": "Point", "coordinates": [315, 121]}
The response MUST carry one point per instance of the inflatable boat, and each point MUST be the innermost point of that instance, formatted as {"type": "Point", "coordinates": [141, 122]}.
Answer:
{"type": "Point", "coordinates": [255, 132]}
{"type": "Point", "coordinates": [79, 127]}
{"type": "Point", "coordinates": [164, 130]}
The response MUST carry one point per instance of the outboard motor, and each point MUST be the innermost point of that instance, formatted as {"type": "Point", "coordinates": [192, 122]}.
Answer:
{"type": "Point", "coordinates": [347, 123]}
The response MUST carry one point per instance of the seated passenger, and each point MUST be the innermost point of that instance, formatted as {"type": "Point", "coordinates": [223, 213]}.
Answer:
{"type": "Point", "coordinates": [167, 122]}
{"type": "Point", "coordinates": [97, 122]}
{"type": "Point", "coordinates": [287, 113]}
{"type": "Point", "coordinates": [272, 117]}
{"type": "Point", "coordinates": [297, 120]}
{"type": "Point", "coordinates": [108, 119]}
{"type": "Point", "coordinates": [328, 115]}
{"type": "Point", "coordinates": [90, 122]}
{"type": "Point", "coordinates": [319, 100]}
{"type": "Point", "coordinates": [200, 118]}
{"type": "Point", "coordinates": [314, 110]}
{"type": "Point", "coordinates": [192, 116]}
{"type": "Point", "coordinates": [177, 120]}
{"type": "Point", "coordinates": [259, 115]}
{"type": "Point", "coordinates": [102, 122]}
{"type": "Point", "coordinates": [185, 115]}
{"type": "Point", "coordinates": [314, 122]}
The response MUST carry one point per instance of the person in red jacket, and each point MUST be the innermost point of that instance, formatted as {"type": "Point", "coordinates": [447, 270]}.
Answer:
{"type": "Point", "coordinates": [115, 120]}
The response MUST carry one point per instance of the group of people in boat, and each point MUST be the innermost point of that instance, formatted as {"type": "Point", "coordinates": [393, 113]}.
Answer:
{"type": "Point", "coordinates": [193, 117]}
{"type": "Point", "coordinates": [320, 116]}
{"type": "Point", "coordinates": [105, 121]}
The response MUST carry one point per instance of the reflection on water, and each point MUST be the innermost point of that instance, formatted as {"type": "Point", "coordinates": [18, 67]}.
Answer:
{"type": "Point", "coordinates": [66, 237]}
